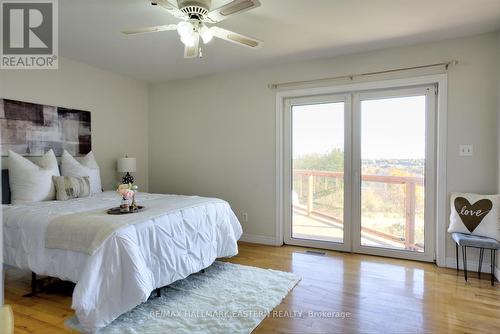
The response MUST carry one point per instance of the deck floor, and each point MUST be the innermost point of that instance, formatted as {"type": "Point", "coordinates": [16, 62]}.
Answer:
{"type": "Point", "coordinates": [324, 229]}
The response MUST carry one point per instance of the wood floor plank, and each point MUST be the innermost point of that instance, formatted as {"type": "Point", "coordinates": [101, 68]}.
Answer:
{"type": "Point", "coordinates": [380, 295]}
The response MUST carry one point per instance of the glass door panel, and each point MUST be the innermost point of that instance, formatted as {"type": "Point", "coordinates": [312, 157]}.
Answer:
{"type": "Point", "coordinates": [393, 164]}
{"type": "Point", "coordinates": [317, 187]}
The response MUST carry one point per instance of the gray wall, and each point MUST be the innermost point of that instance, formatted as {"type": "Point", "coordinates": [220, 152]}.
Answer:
{"type": "Point", "coordinates": [498, 139]}
{"type": "Point", "coordinates": [215, 135]}
{"type": "Point", "coordinates": [118, 106]}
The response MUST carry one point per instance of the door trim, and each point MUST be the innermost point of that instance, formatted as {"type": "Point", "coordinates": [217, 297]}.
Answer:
{"type": "Point", "coordinates": [441, 80]}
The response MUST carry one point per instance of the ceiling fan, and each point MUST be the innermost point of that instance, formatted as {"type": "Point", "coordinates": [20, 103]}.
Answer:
{"type": "Point", "coordinates": [195, 15]}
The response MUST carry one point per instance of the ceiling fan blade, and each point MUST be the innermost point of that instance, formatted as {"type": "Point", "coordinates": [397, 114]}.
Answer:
{"type": "Point", "coordinates": [171, 7]}
{"type": "Point", "coordinates": [234, 7]}
{"type": "Point", "coordinates": [236, 38]}
{"type": "Point", "coordinates": [192, 51]}
{"type": "Point", "coordinates": [167, 27]}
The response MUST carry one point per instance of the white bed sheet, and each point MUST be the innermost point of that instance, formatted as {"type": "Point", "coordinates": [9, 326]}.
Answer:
{"type": "Point", "coordinates": [131, 263]}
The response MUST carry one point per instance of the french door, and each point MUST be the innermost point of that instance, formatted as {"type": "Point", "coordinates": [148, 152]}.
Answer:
{"type": "Point", "coordinates": [359, 172]}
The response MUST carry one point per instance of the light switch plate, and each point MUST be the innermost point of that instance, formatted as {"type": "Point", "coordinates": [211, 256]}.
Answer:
{"type": "Point", "coordinates": [466, 150]}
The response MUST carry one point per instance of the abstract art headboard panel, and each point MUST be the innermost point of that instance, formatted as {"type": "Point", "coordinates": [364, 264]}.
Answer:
{"type": "Point", "coordinates": [32, 129]}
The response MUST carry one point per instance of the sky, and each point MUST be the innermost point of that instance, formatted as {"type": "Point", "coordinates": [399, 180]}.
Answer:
{"type": "Point", "coordinates": [390, 128]}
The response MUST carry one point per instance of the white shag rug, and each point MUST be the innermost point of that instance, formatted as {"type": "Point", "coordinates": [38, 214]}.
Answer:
{"type": "Point", "coordinates": [227, 298]}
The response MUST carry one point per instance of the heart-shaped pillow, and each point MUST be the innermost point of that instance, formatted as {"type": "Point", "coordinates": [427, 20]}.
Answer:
{"type": "Point", "coordinates": [475, 214]}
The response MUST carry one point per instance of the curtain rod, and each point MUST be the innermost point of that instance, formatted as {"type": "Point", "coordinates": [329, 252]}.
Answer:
{"type": "Point", "coordinates": [352, 76]}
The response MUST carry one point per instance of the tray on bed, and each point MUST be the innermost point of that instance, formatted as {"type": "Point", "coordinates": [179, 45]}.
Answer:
{"type": "Point", "coordinates": [116, 211]}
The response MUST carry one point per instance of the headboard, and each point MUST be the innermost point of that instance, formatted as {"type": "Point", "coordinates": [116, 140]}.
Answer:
{"type": "Point", "coordinates": [5, 187]}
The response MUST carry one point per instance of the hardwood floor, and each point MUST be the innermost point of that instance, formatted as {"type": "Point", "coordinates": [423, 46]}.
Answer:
{"type": "Point", "coordinates": [381, 295]}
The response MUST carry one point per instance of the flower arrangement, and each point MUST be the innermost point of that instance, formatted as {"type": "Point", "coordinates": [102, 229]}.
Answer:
{"type": "Point", "coordinates": [127, 192]}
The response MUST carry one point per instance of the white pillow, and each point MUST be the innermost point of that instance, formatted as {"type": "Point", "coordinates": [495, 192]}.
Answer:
{"type": "Point", "coordinates": [475, 214]}
{"type": "Point", "coordinates": [86, 167]}
{"type": "Point", "coordinates": [30, 182]}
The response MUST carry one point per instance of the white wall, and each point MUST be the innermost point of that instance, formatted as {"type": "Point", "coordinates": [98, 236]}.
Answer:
{"type": "Point", "coordinates": [498, 139]}
{"type": "Point", "coordinates": [215, 135]}
{"type": "Point", "coordinates": [118, 106]}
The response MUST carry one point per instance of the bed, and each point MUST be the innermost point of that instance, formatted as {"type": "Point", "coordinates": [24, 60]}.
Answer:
{"type": "Point", "coordinates": [132, 262]}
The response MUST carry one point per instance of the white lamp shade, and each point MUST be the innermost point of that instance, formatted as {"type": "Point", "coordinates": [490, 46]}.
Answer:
{"type": "Point", "coordinates": [126, 165]}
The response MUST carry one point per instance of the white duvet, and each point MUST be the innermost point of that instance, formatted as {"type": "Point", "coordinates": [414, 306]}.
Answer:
{"type": "Point", "coordinates": [131, 263]}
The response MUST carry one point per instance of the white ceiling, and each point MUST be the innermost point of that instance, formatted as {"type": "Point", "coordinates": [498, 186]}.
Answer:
{"type": "Point", "coordinates": [291, 30]}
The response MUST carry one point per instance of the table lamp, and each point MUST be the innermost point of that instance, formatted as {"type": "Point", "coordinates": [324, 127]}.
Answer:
{"type": "Point", "coordinates": [127, 165]}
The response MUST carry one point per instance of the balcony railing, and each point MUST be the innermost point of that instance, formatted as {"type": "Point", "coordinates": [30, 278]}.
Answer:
{"type": "Point", "coordinates": [410, 201]}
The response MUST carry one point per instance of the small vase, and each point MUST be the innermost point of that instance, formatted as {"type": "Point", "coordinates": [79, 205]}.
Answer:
{"type": "Point", "coordinates": [133, 206]}
{"type": "Point", "coordinates": [125, 206]}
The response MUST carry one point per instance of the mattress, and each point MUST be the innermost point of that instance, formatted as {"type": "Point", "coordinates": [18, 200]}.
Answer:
{"type": "Point", "coordinates": [132, 262]}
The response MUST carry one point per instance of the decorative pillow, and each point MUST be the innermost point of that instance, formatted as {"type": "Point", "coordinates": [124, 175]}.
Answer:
{"type": "Point", "coordinates": [86, 167]}
{"type": "Point", "coordinates": [68, 187]}
{"type": "Point", "coordinates": [30, 182]}
{"type": "Point", "coordinates": [475, 214]}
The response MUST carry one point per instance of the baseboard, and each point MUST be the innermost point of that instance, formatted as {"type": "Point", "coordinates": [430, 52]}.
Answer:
{"type": "Point", "coordinates": [258, 239]}
{"type": "Point", "coordinates": [451, 262]}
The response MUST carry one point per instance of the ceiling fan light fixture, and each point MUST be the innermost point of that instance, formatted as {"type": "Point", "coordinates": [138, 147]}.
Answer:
{"type": "Point", "coordinates": [189, 40]}
{"type": "Point", "coordinates": [206, 34]}
{"type": "Point", "coordinates": [185, 29]}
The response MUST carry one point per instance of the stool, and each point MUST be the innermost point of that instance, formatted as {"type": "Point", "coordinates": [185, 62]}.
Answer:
{"type": "Point", "coordinates": [468, 240]}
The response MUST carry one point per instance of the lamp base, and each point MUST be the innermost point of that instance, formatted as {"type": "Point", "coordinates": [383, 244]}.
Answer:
{"type": "Point", "coordinates": [128, 179]}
